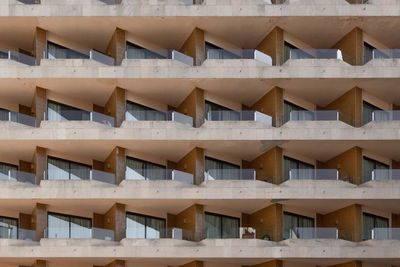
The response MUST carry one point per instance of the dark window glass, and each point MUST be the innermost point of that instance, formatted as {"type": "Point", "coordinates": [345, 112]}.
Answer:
{"type": "Point", "coordinates": [216, 52]}
{"type": "Point", "coordinates": [294, 164]}
{"type": "Point", "coordinates": [293, 221]}
{"type": "Point", "coordinates": [367, 110]}
{"type": "Point", "coordinates": [220, 226]}
{"type": "Point", "coordinates": [136, 112]}
{"type": "Point", "coordinates": [137, 169]}
{"type": "Point", "coordinates": [142, 226]}
{"type": "Point", "coordinates": [55, 51]}
{"type": "Point", "coordinates": [8, 228]}
{"type": "Point", "coordinates": [296, 114]}
{"type": "Point", "coordinates": [220, 170]}
{"type": "Point", "coordinates": [3, 55]}
{"type": "Point", "coordinates": [370, 222]}
{"type": "Point", "coordinates": [368, 165]}
{"type": "Point", "coordinates": [60, 169]}
{"type": "Point", "coordinates": [67, 226]}
{"type": "Point", "coordinates": [60, 112]}
{"type": "Point", "coordinates": [368, 52]}
{"type": "Point", "coordinates": [8, 171]}
{"type": "Point", "coordinates": [215, 112]}
{"type": "Point", "coordinates": [134, 51]}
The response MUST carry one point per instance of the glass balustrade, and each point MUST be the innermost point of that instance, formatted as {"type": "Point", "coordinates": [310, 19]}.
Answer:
{"type": "Point", "coordinates": [244, 115]}
{"type": "Point", "coordinates": [315, 54]}
{"type": "Point", "coordinates": [18, 176]}
{"type": "Point", "coordinates": [239, 54]}
{"type": "Point", "coordinates": [158, 174]}
{"type": "Point", "coordinates": [17, 233]}
{"type": "Point", "coordinates": [79, 232]}
{"type": "Point", "coordinates": [385, 233]}
{"type": "Point", "coordinates": [317, 115]}
{"type": "Point", "coordinates": [79, 115]}
{"type": "Point", "coordinates": [230, 174]}
{"type": "Point", "coordinates": [79, 174]}
{"type": "Point", "coordinates": [386, 115]}
{"type": "Point", "coordinates": [386, 174]}
{"type": "Point", "coordinates": [386, 53]}
{"type": "Point", "coordinates": [143, 53]}
{"type": "Point", "coordinates": [314, 233]}
{"type": "Point", "coordinates": [18, 57]}
{"type": "Point", "coordinates": [156, 115]}
{"type": "Point", "coordinates": [7, 115]}
{"type": "Point", "coordinates": [66, 53]}
{"type": "Point", "coordinates": [313, 174]}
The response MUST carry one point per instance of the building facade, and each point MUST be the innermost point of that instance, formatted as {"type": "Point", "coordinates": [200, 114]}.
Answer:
{"type": "Point", "coordinates": [189, 133]}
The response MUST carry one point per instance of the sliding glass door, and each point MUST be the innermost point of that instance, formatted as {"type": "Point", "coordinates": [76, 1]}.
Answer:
{"type": "Point", "coordinates": [137, 169]}
{"type": "Point", "coordinates": [221, 226]}
{"type": "Point", "coordinates": [142, 226]}
{"type": "Point", "coordinates": [369, 222]}
{"type": "Point", "coordinates": [296, 169]}
{"type": "Point", "coordinates": [60, 112]}
{"type": "Point", "coordinates": [136, 112]}
{"type": "Point", "coordinates": [66, 226]}
{"type": "Point", "coordinates": [8, 228]}
{"type": "Point", "coordinates": [292, 222]}
{"type": "Point", "coordinates": [60, 169]}
{"type": "Point", "coordinates": [221, 170]}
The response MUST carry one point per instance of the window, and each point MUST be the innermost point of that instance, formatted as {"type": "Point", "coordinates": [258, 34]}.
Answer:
{"type": "Point", "coordinates": [295, 112]}
{"type": "Point", "coordinates": [134, 51]}
{"type": "Point", "coordinates": [143, 226]}
{"type": "Point", "coordinates": [3, 55]}
{"type": "Point", "coordinates": [295, 165]}
{"type": "Point", "coordinates": [367, 110]}
{"type": "Point", "coordinates": [220, 226]}
{"type": "Point", "coordinates": [216, 52]}
{"type": "Point", "coordinates": [215, 112]}
{"type": "Point", "coordinates": [368, 165]}
{"type": "Point", "coordinates": [368, 52]}
{"type": "Point", "coordinates": [8, 228]}
{"type": "Point", "coordinates": [136, 112]}
{"type": "Point", "coordinates": [60, 169]}
{"type": "Point", "coordinates": [220, 170]}
{"type": "Point", "coordinates": [369, 222]}
{"type": "Point", "coordinates": [137, 169]}
{"type": "Point", "coordinates": [67, 226]}
{"type": "Point", "coordinates": [60, 112]}
{"type": "Point", "coordinates": [293, 221]}
{"type": "Point", "coordinates": [55, 51]}
{"type": "Point", "coordinates": [8, 171]}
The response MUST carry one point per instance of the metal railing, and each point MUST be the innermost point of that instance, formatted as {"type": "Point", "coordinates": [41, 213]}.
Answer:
{"type": "Point", "coordinates": [19, 57]}
{"type": "Point", "coordinates": [239, 54]}
{"type": "Point", "coordinates": [386, 115]}
{"type": "Point", "coordinates": [79, 232]}
{"type": "Point", "coordinates": [386, 53]}
{"type": "Point", "coordinates": [18, 176]}
{"type": "Point", "coordinates": [314, 174]}
{"type": "Point", "coordinates": [244, 115]}
{"type": "Point", "coordinates": [80, 174]}
{"type": "Point", "coordinates": [230, 174]}
{"type": "Point", "coordinates": [80, 115]}
{"type": "Point", "coordinates": [315, 54]}
{"type": "Point", "coordinates": [142, 53]}
{"type": "Point", "coordinates": [91, 54]}
{"type": "Point", "coordinates": [7, 115]}
{"type": "Point", "coordinates": [385, 174]}
{"type": "Point", "coordinates": [314, 233]}
{"type": "Point", "coordinates": [158, 174]}
{"type": "Point", "coordinates": [317, 115]}
{"type": "Point", "coordinates": [385, 233]}
{"type": "Point", "coordinates": [156, 115]}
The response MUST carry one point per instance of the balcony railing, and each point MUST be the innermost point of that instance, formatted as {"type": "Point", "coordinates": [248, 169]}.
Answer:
{"type": "Point", "coordinates": [386, 54]}
{"type": "Point", "coordinates": [141, 53]}
{"type": "Point", "coordinates": [79, 232]}
{"type": "Point", "coordinates": [385, 233]}
{"type": "Point", "coordinates": [233, 115]}
{"type": "Point", "coordinates": [386, 115]}
{"type": "Point", "coordinates": [317, 115]}
{"type": "Point", "coordinates": [17, 233]}
{"type": "Point", "coordinates": [18, 176]}
{"type": "Point", "coordinates": [313, 174]}
{"type": "Point", "coordinates": [158, 174]}
{"type": "Point", "coordinates": [80, 115]}
{"type": "Point", "coordinates": [230, 174]}
{"type": "Point", "coordinates": [314, 233]}
{"type": "Point", "coordinates": [19, 57]}
{"type": "Point", "coordinates": [79, 54]}
{"type": "Point", "coordinates": [80, 174]}
{"type": "Point", "coordinates": [315, 54]}
{"type": "Point", "coordinates": [7, 115]}
{"type": "Point", "coordinates": [239, 54]}
{"type": "Point", "coordinates": [385, 174]}
{"type": "Point", "coordinates": [156, 115]}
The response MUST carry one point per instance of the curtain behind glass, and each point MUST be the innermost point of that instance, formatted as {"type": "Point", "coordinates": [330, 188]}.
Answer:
{"type": "Point", "coordinates": [215, 112]}
{"type": "Point", "coordinates": [137, 52]}
{"type": "Point", "coordinates": [60, 112]}
{"type": "Point", "coordinates": [219, 170]}
{"type": "Point", "coordinates": [367, 111]}
{"type": "Point", "coordinates": [81, 227]}
{"type": "Point", "coordinates": [155, 228]}
{"type": "Point", "coordinates": [8, 228]}
{"type": "Point", "coordinates": [135, 226]}
{"type": "Point", "coordinates": [79, 171]}
{"type": "Point", "coordinates": [368, 52]}
{"type": "Point", "coordinates": [4, 115]}
{"type": "Point", "coordinates": [230, 227]}
{"type": "Point", "coordinates": [298, 113]}
{"type": "Point", "coordinates": [58, 226]}
{"type": "Point", "coordinates": [367, 226]}
{"type": "Point", "coordinates": [213, 226]}
{"type": "Point", "coordinates": [136, 112]}
{"type": "Point", "coordinates": [288, 164]}
{"type": "Point", "coordinates": [368, 165]}
{"type": "Point", "coordinates": [55, 51]}
{"type": "Point", "coordinates": [137, 169]}
{"type": "Point", "coordinates": [292, 221]}
{"type": "Point", "coordinates": [58, 169]}
{"type": "Point", "coordinates": [3, 55]}
{"type": "Point", "coordinates": [8, 171]}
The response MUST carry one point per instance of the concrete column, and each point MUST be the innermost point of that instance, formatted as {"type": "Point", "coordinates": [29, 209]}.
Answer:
{"type": "Point", "coordinates": [193, 106]}
{"type": "Point", "coordinates": [347, 220]}
{"type": "Point", "coordinates": [39, 44]}
{"type": "Point", "coordinates": [116, 106]}
{"type": "Point", "coordinates": [268, 166]}
{"type": "Point", "coordinates": [352, 47]}
{"type": "Point", "coordinates": [272, 45]}
{"type": "Point", "coordinates": [191, 220]}
{"type": "Point", "coordinates": [39, 218]}
{"type": "Point", "coordinates": [117, 46]}
{"type": "Point", "coordinates": [273, 263]}
{"type": "Point", "coordinates": [193, 162]}
{"type": "Point", "coordinates": [271, 104]}
{"type": "Point", "coordinates": [193, 264]}
{"type": "Point", "coordinates": [115, 219]}
{"type": "Point", "coordinates": [116, 263]}
{"type": "Point", "coordinates": [348, 264]}
{"type": "Point", "coordinates": [39, 162]}
{"type": "Point", "coordinates": [349, 164]}
{"type": "Point", "coordinates": [194, 46]}
{"type": "Point", "coordinates": [116, 163]}
{"type": "Point", "coordinates": [349, 106]}
{"type": "Point", "coordinates": [39, 105]}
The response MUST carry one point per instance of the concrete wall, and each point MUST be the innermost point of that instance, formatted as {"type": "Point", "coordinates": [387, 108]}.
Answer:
{"type": "Point", "coordinates": [115, 219]}
{"type": "Point", "coordinates": [117, 46]}
{"type": "Point", "coordinates": [193, 106]}
{"type": "Point", "coordinates": [194, 46]}
{"type": "Point", "coordinates": [271, 104]}
{"type": "Point", "coordinates": [193, 162]}
{"type": "Point", "coordinates": [272, 45]}
{"type": "Point", "coordinates": [39, 44]}
{"type": "Point", "coordinates": [39, 220]}
{"type": "Point", "coordinates": [39, 105]}
{"type": "Point", "coordinates": [39, 163]}
{"type": "Point", "coordinates": [116, 163]}
{"type": "Point", "coordinates": [352, 46]}
{"type": "Point", "coordinates": [268, 166]}
{"type": "Point", "coordinates": [116, 106]}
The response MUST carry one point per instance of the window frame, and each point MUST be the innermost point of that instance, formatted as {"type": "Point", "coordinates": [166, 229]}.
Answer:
{"type": "Point", "coordinates": [221, 226]}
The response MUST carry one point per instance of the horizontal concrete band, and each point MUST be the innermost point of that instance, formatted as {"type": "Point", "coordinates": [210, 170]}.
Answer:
{"type": "Point", "coordinates": [228, 69]}
{"type": "Point", "coordinates": [206, 249]}
{"type": "Point", "coordinates": [227, 190]}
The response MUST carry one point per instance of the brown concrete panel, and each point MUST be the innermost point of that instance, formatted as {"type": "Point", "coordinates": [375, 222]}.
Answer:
{"type": "Point", "coordinates": [193, 264]}
{"type": "Point", "coordinates": [268, 222]}
{"type": "Point", "coordinates": [194, 46]}
{"type": "Point", "coordinates": [24, 110]}
{"type": "Point", "coordinates": [347, 220]}
{"type": "Point", "coordinates": [348, 264]}
{"type": "Point", "coordinates": [115, 163]}
{"type": "Point", "coordinates": [271, 104]}
{"type": "Point", "coordinates": [98, 220]}
{"type": "Point", "coordinates": [116, 106]}
{"type": "Point", "coordinates": [39, 163]}
{"type": "Point", "coordinates": [25, 221]}
{"type": "Point", "coordinates": [117, 46]}
{"type": "Point", "coordinates": [395, 164]}
{"type": "Point", "coordinates": [98, 165]}
{"type": "Point", "coordinates": [115, 219]}
{"type": "Point", "coordinates": [269, 166]}
{"type": "Point", "coordinates": [349, 106]}
{"type": "Point", "coordinates": [273, 263]}
{"type": "Point", "coordinates": [192, 220]}
{"type": "Point", "coordinates": [352, 46]}
{"type": "Point", "coordinates": [171, 223]}
{"type": "Point", "coordinates": [349, 164]}
{"type": "Point", "coordinates": [39, 105]}
{"type": "Point", "coordinates": [395, 220]}
{"type": "Point", "coordinates": [25, 166]}
{"type": "Point", "coordinates": [272, 45]}
{"type": "Point", "coordinates": [40, 263]}
{"type": "Point", "coordinates": [116, 263]}
{"type": "Point", "coordinates": [193, 106]}
{"type": "Point", "coordinates": [39, 44]}
{"type": "Point", "coordinates": [39, 220]}
{"type": "Point", "coordinates": [193, 162]}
